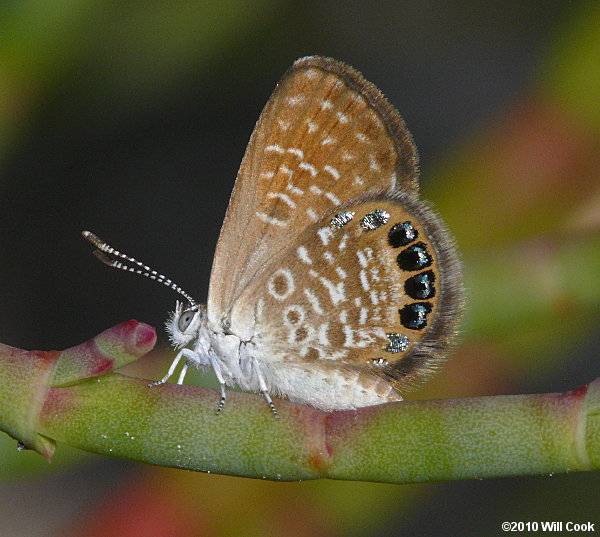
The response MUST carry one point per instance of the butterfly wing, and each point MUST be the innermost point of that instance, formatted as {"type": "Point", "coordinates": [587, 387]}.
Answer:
{"type": "Point", "coordinates": [326, 136]}
{"type": "Point", "coordinates": [372, 291]}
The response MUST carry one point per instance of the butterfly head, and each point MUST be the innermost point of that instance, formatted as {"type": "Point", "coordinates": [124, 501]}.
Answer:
{"type": "Point", "coordinates": [184, 323]}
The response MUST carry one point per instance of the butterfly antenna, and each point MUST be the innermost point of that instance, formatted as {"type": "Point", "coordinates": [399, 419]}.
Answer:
{"type": "Point", "coordinates": [111, 257]}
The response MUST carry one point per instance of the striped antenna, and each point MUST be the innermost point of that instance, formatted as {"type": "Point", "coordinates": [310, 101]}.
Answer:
{"type": "Point", "coordinates": [109, 256]}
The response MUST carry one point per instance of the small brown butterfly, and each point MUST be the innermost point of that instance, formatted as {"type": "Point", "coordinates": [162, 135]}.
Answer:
{"type": "Point", "coordinates": [333, 284]}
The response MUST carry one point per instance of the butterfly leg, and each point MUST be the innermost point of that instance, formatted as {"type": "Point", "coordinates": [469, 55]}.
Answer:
{"type": "Point", "coordinates": [263, 387]}
{"type": "Point", "coordinates": [182, 374]}
{"type": "Point", "coordinates": [218, 373]}
{"type": "Point", "coordinates": [183, 353]}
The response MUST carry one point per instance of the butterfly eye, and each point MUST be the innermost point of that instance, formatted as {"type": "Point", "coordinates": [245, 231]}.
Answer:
{"type": "Point", "coordinates": [185, 319]}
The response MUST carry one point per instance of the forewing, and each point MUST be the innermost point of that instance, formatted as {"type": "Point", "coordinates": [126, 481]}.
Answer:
{"type": "Point", "coordinates": [325, 136]}
{"type": "Point", "coordinates": [374, 285]}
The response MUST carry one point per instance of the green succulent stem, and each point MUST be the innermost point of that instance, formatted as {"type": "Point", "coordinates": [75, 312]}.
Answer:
{"type": "Point", "coordinates": [75, 397]}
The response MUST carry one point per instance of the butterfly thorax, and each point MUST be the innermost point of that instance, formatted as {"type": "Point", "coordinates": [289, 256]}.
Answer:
{"type": "Point", "coordinates": [209, 343]}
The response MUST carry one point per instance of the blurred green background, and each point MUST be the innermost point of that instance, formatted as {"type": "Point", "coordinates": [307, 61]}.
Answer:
{"type": "Point", "coordinates": [130, 119]}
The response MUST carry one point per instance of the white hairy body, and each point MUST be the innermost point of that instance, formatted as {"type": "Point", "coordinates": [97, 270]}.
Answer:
{"type": "Point", "coordinates": [243, 364]}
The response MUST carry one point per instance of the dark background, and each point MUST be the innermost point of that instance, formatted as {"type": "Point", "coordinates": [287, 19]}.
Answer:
{"type": "Point", "coordinates": [147, 159]}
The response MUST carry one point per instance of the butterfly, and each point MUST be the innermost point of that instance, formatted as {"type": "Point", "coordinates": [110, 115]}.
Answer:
{"type": "Point", "coordinates": [333, 284]}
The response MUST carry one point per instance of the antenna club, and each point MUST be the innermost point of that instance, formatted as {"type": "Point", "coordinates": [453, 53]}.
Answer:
{"type": "Point", "coordinates": [94, 239]}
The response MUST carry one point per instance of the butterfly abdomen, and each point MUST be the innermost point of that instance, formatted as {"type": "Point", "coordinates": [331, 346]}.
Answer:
{"type": "Point", "coordinates": [330, 388]}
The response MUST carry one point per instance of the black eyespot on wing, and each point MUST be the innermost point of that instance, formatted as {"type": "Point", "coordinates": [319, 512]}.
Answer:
{"type": "Point", "coordinates": [415, 257]}
{"type": "Point", "coordinates": [414, 316]}
{"type": "Point", "coordinates": [402, 235]}
{"type": "Point", "coordinates": [374, 220]}
{"type": "Point", "coordinates": [421, 286]}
